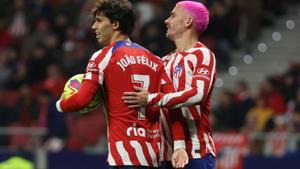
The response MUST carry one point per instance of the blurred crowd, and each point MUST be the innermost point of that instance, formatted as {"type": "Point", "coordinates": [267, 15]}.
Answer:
{"type": "Point", "coordinates": [44, 42]}
{"type": "Point", "coordinates": [274, 109]}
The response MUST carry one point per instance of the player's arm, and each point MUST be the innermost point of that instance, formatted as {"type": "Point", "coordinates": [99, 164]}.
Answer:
{"type": "Point", "coordinates": [177, 122]}
{"type": "Point", "coordinates": [79, 100]}
{"type": "Point", "coordinates": [92, 80]}
{"type": "Point", "coordinates": [199, 90]}
{"type": "Point", "coordinates": [176, 117]}
{"type": "Point", "coordinates": [201, 83]}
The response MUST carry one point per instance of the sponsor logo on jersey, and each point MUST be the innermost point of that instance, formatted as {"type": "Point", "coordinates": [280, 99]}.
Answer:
{"type": "Point", "coordinates": [203, 71]}
{"type": "Point", "coordinates": [134, 131]}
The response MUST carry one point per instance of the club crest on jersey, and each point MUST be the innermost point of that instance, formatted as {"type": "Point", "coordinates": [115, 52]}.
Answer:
{"type": "Point", "coordinates": [178, 70]}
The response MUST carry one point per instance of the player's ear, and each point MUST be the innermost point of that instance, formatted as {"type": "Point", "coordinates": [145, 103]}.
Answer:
{"type": "Point", "coordinates": [188, 22]}
{"type": "Point", "coordinates": [116, 25]}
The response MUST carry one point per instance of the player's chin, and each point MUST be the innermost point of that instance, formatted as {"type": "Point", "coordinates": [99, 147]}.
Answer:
{"type": "Point", "coordinates": [168, 35]}
{"type": "Point", "coordinates": [101, 42]}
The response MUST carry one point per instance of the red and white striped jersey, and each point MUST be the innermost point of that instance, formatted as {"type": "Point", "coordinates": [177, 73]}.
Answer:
{"type": "Point", "coordinates": [133, 134]}
{"type": "Point", "coordinates": [193, 74]}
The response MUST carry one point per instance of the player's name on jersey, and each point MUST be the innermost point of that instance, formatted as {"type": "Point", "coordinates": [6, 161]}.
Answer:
{"type": "Point", "coordinates": [130, 60]}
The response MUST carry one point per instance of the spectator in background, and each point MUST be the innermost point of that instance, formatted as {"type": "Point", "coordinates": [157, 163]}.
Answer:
{"type": "Point", "coordinates": [258, 116]}
{"type": "Point", "coordinates": [227, 113]}
{"type": "Point", "coordinates": [38, 60]}
{"type": "Point", "coordinates": [274, 99]}
{"type": "Point", "coordinates": [296, 113]}
{"type": "Point", "coordinates": [5, 114]}
{"type": "Point", "coordinates": [6, 68]}
{"type": "Point", "coordinates": [6, 38]}
{"type": "Point", "coordinates": [55, 81]}
{"type": "Point", "coordinates": [27, 111]}
{"type": "Point", "coordinates": [220, 28]}
{"type": "Point", "coordinates": [244, 100]}
{"type": "Point", "coordinates": [19, 25]}
{"type": "Point", "coordinates": [289, 86]}
{"type": "Point", "coordinates": [251, 19]}
{"type": "Point", "coordinates": [54, 121]}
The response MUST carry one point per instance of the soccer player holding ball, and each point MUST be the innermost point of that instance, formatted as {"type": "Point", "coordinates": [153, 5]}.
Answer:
{"type": "Point", "coordinates": [192, 68]}
{"type": "Point", "coordinates": [133, 134]}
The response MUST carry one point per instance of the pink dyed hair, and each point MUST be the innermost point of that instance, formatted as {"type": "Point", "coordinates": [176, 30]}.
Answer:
{"type": "Point", "coordinates": [199, 13]}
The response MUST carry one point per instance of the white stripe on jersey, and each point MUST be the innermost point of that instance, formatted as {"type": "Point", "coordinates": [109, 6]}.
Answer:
{"type": "Point", "coordinates": [158, 145]}
{"type": "Point", "coordinates": [198, 107]}
{"type": "Point", "coordinates": [206, 56]}
{"type": "Point", "coordinates": [123, 153]}
{"type": "Point", "coordinates": [213, 144]}
{"type": "Point", "coordinates": [88, 76]}
{"type": "Point", "coordinates": [111, 160]}
{"type": "Point", "coordinates": [208, 146]}
{"type": "Point", "coordinates": [168, 64]}
{"type": "Point", "coordinates": [151, 96]}
{"type": "Point", "coordinates": [152, 154]}
{"type": "Point", "coordinates": [139, 152]}
{"type": "Point", "coordinates": [193, 132]}
{"type": "Point", "coordinates": [95, 55]}
{"type": "Point", "coordinates": [189, 72]}
{"type": "Point", "coordinates": [103, 64]}
{"type": "Point", "coordinates": [162, 149]}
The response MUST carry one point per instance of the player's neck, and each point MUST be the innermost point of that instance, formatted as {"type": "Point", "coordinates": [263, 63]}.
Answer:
{"type": "Point", "coordinates": [118, 37]}
{"type": "Point", "coordinates": [185, 42]}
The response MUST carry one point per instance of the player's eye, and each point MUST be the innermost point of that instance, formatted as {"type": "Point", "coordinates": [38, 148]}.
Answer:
{"type": "Point", "coordinates": [98, 20]}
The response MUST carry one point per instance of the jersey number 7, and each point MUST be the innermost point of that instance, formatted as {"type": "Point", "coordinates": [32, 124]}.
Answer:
{"type": "Point", "coordinates": [142, 81]}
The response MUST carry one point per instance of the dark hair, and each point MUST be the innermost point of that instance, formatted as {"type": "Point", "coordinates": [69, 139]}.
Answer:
{"type": "Point", "coordinates": [117, 10]}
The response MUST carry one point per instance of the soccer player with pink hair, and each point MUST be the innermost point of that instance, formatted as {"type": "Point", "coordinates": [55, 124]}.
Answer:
{"type": "Point", "coordinates": [192, 68]}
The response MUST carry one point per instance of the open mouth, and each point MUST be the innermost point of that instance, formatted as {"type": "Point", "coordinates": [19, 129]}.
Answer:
{"type": "Point", "coordinates": [97, 35]}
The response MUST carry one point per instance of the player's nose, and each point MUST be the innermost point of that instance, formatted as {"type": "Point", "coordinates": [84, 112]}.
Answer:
{"type": "Point", "coordinates": [167, 21]}
{"type": "Point", "coordinates": [94, 27]}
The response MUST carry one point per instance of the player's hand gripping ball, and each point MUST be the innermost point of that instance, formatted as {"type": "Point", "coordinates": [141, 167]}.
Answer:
{"type": "Point", "coordinates": [72, 86]}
